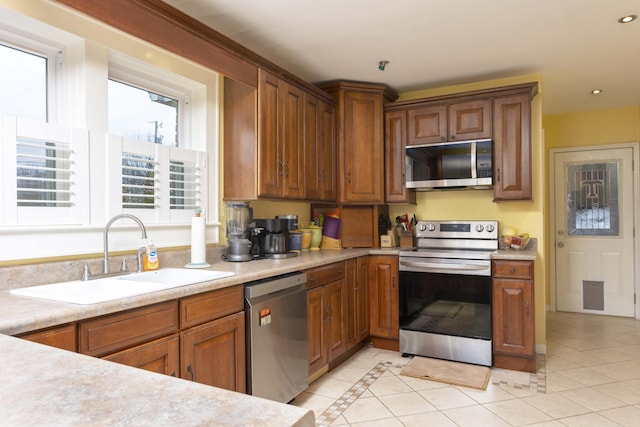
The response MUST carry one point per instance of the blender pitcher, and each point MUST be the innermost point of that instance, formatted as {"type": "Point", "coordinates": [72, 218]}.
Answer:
{"type": "Point", "coordinates": [238, 220]}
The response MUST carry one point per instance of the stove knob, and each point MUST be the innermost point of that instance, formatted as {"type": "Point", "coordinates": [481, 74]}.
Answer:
{"type": "Point", "coordinates": [422, 226]}
{"type": "Point", "coordinates": [479, 228]}
{"type": "Point", "coordinates": [432, 227]}
{"type": "Point", "coordinates": [490, 228]}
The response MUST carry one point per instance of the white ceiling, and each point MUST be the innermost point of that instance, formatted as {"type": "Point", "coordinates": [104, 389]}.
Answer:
{"type": "Point", "coordinates": [576, 45]}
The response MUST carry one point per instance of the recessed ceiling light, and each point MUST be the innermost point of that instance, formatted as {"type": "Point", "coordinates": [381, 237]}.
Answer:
{"type": "Point", "coordinates": [596, 91]}
{"type": "Point", "coordinates": [628, 18]}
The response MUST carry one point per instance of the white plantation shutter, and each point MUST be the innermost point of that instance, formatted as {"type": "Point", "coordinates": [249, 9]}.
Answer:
{"type": "Point", "coordinates": [45, 173]}
{"type": "Point", "coordinates": [157, 183]}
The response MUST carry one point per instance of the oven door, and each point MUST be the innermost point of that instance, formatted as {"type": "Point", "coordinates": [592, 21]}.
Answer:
{"type": "Point", "coordinates": [445, 309]}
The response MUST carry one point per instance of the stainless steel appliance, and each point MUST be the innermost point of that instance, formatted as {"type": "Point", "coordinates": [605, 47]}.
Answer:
{"type": "Point", "coordinates": [238, 244]}
{"type": "Point", "coordinates": [450, 165]}
{"type": "Point", "coordinates": [271, 238]}
{"type": "Point", "coordinates": [445, 291]}
{"type": "Point", "coordinates": [276, 322]}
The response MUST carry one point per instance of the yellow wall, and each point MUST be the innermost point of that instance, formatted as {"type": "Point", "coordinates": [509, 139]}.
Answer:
{"type": "Point", "coordinates": [477, 204]}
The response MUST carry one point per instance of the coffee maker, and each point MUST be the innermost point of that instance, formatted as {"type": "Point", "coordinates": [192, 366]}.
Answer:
{"type": "Point", "coordinates": [238, 220]}
{"type": "Point", "coordinates": [270, 238]}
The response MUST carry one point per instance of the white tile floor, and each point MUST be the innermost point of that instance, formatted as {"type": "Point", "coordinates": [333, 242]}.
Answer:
{"type": "Point", "coordinates": [590, 377]}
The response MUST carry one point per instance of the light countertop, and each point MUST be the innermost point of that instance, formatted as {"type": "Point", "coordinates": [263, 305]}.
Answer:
{"type": "Point", "coordinates": [51, 387]}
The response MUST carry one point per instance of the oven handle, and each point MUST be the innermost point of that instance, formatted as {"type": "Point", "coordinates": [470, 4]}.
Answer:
{"type": "Point", "coordinates": [445, 265]}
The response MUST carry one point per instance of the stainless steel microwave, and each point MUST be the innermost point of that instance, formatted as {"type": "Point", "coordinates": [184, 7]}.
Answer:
{"type": "Point", "coordinates": [450, 165]}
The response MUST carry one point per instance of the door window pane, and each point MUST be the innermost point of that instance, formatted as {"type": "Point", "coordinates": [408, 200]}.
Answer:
{"type": "Point", "coordinates": [592, 198]}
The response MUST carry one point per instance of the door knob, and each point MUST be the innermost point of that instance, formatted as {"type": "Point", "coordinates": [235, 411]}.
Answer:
{"type": "Point", "coordinates": [560, 245]}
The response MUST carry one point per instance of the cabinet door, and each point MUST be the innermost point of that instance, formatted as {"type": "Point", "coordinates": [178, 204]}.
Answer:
{"type": "Point", "coordinates": [362, 297]}
{"type": "Point", "coordinates": [327, 152]}
{"type": "Point", "coordinates": [292, 160]}
{"type": "Point", "coordinates": [395, 137]}
{"type": "Point", "coordinates": [336, 324]}
{"type": "Point", "coordinates": [513, 317]}
{"type": "Point", "coordinates": [427, 125]}
{"type": "Point", "coordinates": [512, 148]}
{"type": "Point", "coordinates": [270, 149]}
{"type": "Point", "coordinates": [161, 356]}
{"type": "Point", "coordinates": [316, 327]}
{"type": "Point", "coordinates": [319, 147]}
{"type": "Point", "coordinates": [214, 353]}
{"type": "Point", "coordinates": [63, 337]}
{"type": "Point", "coordinates": [383, 291]}
{"type": "Point", "coordinates": [470, 120]}
{"type": "Point", "coordinates": [351, 283]}
{"type": "Point", "coordinates": [363, 176]}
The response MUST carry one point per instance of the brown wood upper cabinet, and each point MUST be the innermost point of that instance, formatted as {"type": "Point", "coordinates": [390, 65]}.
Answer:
{"type": "Point", "coordinates": [395, 135]}
{"type": "Point", "coordinates": [280, 132]}
{"type": "Point", "coordinates": [320, 149]}
{"type": "Point", "coordinates": [455, 121]}
{"type": "Point", "coordinates": [502, 114]}
{"type": "Point", "coordinates": [512, 147]}
{"type": "Point", "coordinates": [360, 139]}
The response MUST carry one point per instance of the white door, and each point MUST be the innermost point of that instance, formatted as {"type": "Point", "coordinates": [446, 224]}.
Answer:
{"type": "Point", "coordinates": [594, 223]}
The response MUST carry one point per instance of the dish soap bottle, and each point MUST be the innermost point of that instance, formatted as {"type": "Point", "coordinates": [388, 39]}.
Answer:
{"type": "Point", "coordinates": [151, 261]}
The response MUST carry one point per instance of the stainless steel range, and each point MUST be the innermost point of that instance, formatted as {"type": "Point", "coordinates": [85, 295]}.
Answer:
{"type": "Point", "coordinates": [445, 291]}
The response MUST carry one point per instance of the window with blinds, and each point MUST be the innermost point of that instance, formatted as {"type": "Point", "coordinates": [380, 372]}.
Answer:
{"type": "Point", "coordinates": [48, 183]}
{"type": "Point", "coordinates": [158, 183]}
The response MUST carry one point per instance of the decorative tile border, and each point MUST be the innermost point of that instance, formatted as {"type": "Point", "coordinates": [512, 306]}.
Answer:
{"type": "Point", "coordinates": [350, 396]}
{"type": "Point", "coordinates": [537, 383]}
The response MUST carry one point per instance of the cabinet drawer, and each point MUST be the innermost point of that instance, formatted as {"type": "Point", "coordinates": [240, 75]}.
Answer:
{"type": "Point", "coordinates": [63, 337]}
{"type": "Point", "coordinates": [513, 269]}
{"type": "Point", "coordinates": [202, 308]}
{"type": "Point", "coordinates": [326, 274]}
{"type": "Point", "coordinates": [111, 333]}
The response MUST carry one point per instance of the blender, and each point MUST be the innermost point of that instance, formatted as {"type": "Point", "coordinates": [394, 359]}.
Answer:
{"type": "Point", "coordinates": [238, 219]}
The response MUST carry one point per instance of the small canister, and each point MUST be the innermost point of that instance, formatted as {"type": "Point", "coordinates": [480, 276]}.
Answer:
{"type": "Point", "coordinates": [295, 238]}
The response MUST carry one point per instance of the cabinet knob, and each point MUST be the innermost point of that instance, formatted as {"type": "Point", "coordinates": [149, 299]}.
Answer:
{"type": "Point", "coordinates": [512, 270]}
{"type": "Point", "coordinates": [453, 137]}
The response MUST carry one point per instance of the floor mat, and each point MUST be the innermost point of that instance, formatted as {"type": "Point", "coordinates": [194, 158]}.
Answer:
{"type": "Point", "coordinates": [444, 371]}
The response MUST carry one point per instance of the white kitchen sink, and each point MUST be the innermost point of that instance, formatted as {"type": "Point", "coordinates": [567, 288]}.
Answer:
{"type": "Point", "coordinates": [113, 288]}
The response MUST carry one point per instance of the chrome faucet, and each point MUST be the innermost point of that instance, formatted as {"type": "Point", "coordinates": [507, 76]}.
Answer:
{"type": "Point", "coordinates": [106, 269]}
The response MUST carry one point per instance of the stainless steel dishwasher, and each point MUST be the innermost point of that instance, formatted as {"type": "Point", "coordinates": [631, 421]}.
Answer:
{"type": "Point", "coordinates": [276, 314]}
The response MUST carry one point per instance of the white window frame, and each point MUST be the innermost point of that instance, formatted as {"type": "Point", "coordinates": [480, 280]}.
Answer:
{"type": "Point", "coordinates": [83, 58]}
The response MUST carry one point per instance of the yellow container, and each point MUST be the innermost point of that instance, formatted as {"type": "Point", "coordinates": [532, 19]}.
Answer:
{"type": "Point", "coordinates": [316, 236]}
{"type": "Point", "coordinates": [306, 239]}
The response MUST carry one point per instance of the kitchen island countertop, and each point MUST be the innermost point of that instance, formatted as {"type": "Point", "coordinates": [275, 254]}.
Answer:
{"type": "Point", "coordinates": [51, 387]}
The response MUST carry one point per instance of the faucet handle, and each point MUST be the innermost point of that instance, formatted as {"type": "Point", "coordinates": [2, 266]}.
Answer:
{"type": "Point", "coordinates": [123, 265]}
{"type": "Point", "coordinates": [86, 271]}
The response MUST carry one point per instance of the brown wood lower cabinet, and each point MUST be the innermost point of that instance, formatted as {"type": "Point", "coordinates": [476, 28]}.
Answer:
{"type": "Point", "coordinates": [214, 353]}
{"type": "Point", "coordinates": [513, 315]}
{"type": "Point", "coordinates": [199, 337]}
{"type": "Point", "coordinates": [357, 282]}
{"type": "Point", "coordinates": [326, 316]}
{"type": "Point", "coordinates": [161, 356]}
{"type": "Point", "coordinates": [383, 293]}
